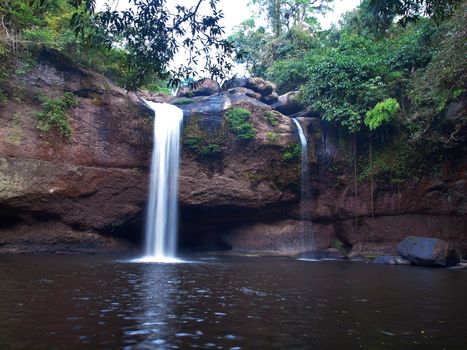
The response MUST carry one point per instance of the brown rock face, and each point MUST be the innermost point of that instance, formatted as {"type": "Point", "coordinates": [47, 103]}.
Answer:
{"type": "Point", "coordinates": [85, 193]}
{"type": "Point", "coordinates": [95, 181]}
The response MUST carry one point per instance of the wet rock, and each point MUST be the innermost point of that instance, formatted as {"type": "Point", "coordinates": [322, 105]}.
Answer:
{"type": "Point", "coordinates": [460, 266]}
{"type": "Point", "coordinates": [288, 104]}
{"type": "Point", "coordinates": [328, 254]}
{"type": "Point", "coordinates": [426, 251]}
{"type": "Point", "coordinates": [204, 87]}
{"type": "Point", "coordinates": [391, 260]}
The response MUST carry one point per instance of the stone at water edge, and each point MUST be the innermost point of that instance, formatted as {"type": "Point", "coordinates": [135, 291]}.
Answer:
{"type": "Point", "coordinates": [391, 260]}
{"type": "Point", "coordinates": [426, 251]}
{"type": "Point", "coordinates": [329, 253]}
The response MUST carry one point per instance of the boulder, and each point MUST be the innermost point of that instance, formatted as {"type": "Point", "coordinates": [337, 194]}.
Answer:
{"type": "Point", "coordinates": [426, 251]}
{"type": "Point", "coordinates": [204, 87]}
{"type": "Point", "coordinates": [270, 99]}
{"type": "Point", "coordinates": [288, 104]}
{"type": "Point", "coordinates": [245, 91]}
{"type": "Point", "coordinates": [391, 260]}
{"type": "Point", "coordinates": [259, 85]}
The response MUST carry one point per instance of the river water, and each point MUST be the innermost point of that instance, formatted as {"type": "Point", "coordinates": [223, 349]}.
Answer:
{"type": "Point", "coordinates": [82, 302]}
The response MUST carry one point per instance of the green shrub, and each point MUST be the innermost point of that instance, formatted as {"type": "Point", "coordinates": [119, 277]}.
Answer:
{"type": "Point", "coordinates": [382, 113]}
{"type": "Point", "coordinates": [157, 87]}
{"type": "Point", "coordinates": [55, 113]}
{"type": "Point", "coordinates": [292, 153]}
{"type": "Point", "coordinates": [272, 137]}
{"type": "Point", "coordinates": [193, 143]}
{"type": "Point", "coordinates": [239, 122]}
{"type": "Point", "coordinates": [200, 147]}
{"type": "Point", "coordinates": [271, 118]}
{"type": "Point", "coordinates": [210, 150]}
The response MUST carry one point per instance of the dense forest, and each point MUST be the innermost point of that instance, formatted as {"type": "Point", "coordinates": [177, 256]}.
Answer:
{"type": "Point", "coordinates": [388, 76]}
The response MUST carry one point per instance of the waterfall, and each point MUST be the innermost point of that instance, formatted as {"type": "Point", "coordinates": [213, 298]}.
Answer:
{"type": "Point", "coordinates": [162, 210]}
{"type": "Point", "coordinates": [305, 185]}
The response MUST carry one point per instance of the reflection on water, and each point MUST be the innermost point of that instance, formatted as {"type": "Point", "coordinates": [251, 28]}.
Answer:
{"type": "Point", "coordinates": [227, 303]}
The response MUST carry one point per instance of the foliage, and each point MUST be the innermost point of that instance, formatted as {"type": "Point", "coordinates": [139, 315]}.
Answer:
{"type": "Point", "coordinates": [272, 137]}
{"type": "Point", "coordinates": [382, 113]}
{"type": "Point", "coordinates": [153, 33]}
{"type": "Point", "coordinates": [183, 101]}
{"type": "Point", "coordinates": [199, 146]}
{"type": "Point", "coordinates": [260, 50]}
{"type": "Point", "coordinates": [54, 113]}
{"type": "Point", "coordinates": [285, 14]}
{"type": "Point", "coordinates": [444, 78]}
{"type": "Point", "coordinates": [411, 10]}
{"type": "Point", "coordinates": [249, 43]}
{"type": "Point", "coordinates": [211, 150]}
{"type": "Point", "coordinates": [288, 73]}
{"type": "Point", "coordinates": [343, 85]}
{"type": "Point", "coordinates": [239, 122]}
{"type": "Point", "coordinates": [292, 153]}
{"type": "Point", "coordinates": [133, 47]}
{"type": "Point", "coordinates": [157, 87]}
{"type": "Point", "coordinates": [271, 118]}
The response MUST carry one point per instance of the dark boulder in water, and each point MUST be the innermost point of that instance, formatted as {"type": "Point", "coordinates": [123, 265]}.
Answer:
{"type": "Point", "coordinates": [425, 251]}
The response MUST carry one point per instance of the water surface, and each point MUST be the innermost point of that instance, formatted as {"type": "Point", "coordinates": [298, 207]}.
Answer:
{"type": "Point", "coordinates": [78, 302]}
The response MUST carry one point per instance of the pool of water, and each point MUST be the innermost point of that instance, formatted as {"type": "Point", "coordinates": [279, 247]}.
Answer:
{"type": "Point", "coordinates": [80, 302]}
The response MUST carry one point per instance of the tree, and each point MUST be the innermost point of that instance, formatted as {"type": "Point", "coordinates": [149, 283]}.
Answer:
{"type": "Point", "coordinates": [284, 14]}
{"type": "Point", "coordinates": [411, 10]}
{"type": "Point", "coordinates": [250, 43]}
{"type": "Point", "coordinates": [152, 34]}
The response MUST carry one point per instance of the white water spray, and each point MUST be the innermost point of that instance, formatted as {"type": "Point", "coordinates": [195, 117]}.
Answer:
{"type": "Point", "coordinates": [162, 211]}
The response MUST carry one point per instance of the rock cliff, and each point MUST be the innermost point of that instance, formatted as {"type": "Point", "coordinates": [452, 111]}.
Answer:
{"type": "Point", "coordinates": [88, 193]}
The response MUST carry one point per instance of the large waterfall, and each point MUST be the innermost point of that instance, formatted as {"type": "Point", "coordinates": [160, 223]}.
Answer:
{"type": "Point", "coordinates": [305, 184]}
{"type": "Point", "coordinates": [162, 210]}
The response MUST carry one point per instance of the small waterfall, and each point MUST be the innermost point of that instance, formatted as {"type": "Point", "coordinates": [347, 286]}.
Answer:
{"type": "Point", "coordinates": [162, 210]}
{"type": "Point", "coordinates": [305, 185]}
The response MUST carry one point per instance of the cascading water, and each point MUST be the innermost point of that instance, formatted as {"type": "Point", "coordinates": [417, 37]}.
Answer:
{"type": "Point", "coordinates": [162, 211]}
{"type": "Point", "coordinates": [305, 182]}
